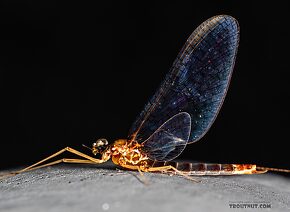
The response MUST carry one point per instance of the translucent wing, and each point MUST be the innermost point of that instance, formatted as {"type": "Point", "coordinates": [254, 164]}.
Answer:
{"type": "Point", "coordinates": [170, 139]}
{"type": "Point", "coordinates": [197, 82]}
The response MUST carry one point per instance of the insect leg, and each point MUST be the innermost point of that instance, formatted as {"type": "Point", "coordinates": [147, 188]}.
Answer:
{"type": "Point", "coordinates": [142, 178]}
{"type": "Point", "coordinates": [169, 169]}
{"type": "Point", "coordinates": [71, 150]}
{"type": "Point", "coordinates": [64, 160]}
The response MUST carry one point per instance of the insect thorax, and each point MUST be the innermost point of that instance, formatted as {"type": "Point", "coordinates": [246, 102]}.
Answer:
{"type": "Point", "coordinates": [126, 152]}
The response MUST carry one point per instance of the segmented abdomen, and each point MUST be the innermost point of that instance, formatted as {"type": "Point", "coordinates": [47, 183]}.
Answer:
{"type": "Point", "coordinates": [210, 169]}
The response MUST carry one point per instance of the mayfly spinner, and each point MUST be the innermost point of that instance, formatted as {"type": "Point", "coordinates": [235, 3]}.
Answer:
{"type": "Point", "coordinates": [180, 112]}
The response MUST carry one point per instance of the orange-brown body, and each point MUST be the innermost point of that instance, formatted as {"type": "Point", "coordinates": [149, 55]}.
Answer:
{"type": "Point", "coordinates": [128, 155]}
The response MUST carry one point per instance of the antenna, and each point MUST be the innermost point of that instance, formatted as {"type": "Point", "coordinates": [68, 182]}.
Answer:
{"type": "Point", "coordinates": [87, 147]}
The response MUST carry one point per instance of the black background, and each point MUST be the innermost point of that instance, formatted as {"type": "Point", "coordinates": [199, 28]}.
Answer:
{"type": "Point", "coordinates": [73, 73]}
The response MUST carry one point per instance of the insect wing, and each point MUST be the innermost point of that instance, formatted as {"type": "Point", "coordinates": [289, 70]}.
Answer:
{"type": "Point", "coordinates": [169, 140]}
{"type": "Point", "coordinates": [197, 82]}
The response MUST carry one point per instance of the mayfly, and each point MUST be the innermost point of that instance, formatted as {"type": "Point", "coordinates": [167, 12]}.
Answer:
{"type": "Point", "coordinates": [181, 111]}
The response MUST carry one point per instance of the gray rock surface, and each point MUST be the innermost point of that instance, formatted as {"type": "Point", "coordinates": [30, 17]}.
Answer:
{"type": "Point", "coordinates": [103, 188]}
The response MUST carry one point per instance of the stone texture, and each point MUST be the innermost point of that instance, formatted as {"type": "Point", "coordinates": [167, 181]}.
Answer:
{"type": "Point", "coordinates": [104, 188]}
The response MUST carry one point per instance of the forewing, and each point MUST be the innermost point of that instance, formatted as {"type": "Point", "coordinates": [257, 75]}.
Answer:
{"type": "Point", "coordinates": [170, 139]}
{"type": "Point", "coordinates": [197, 82]}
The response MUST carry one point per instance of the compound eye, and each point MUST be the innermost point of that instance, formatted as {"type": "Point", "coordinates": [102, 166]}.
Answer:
{"type": "Point", "coordinates": [102, 142]}
{"type": "Point", "coordinates": [105, 142]}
